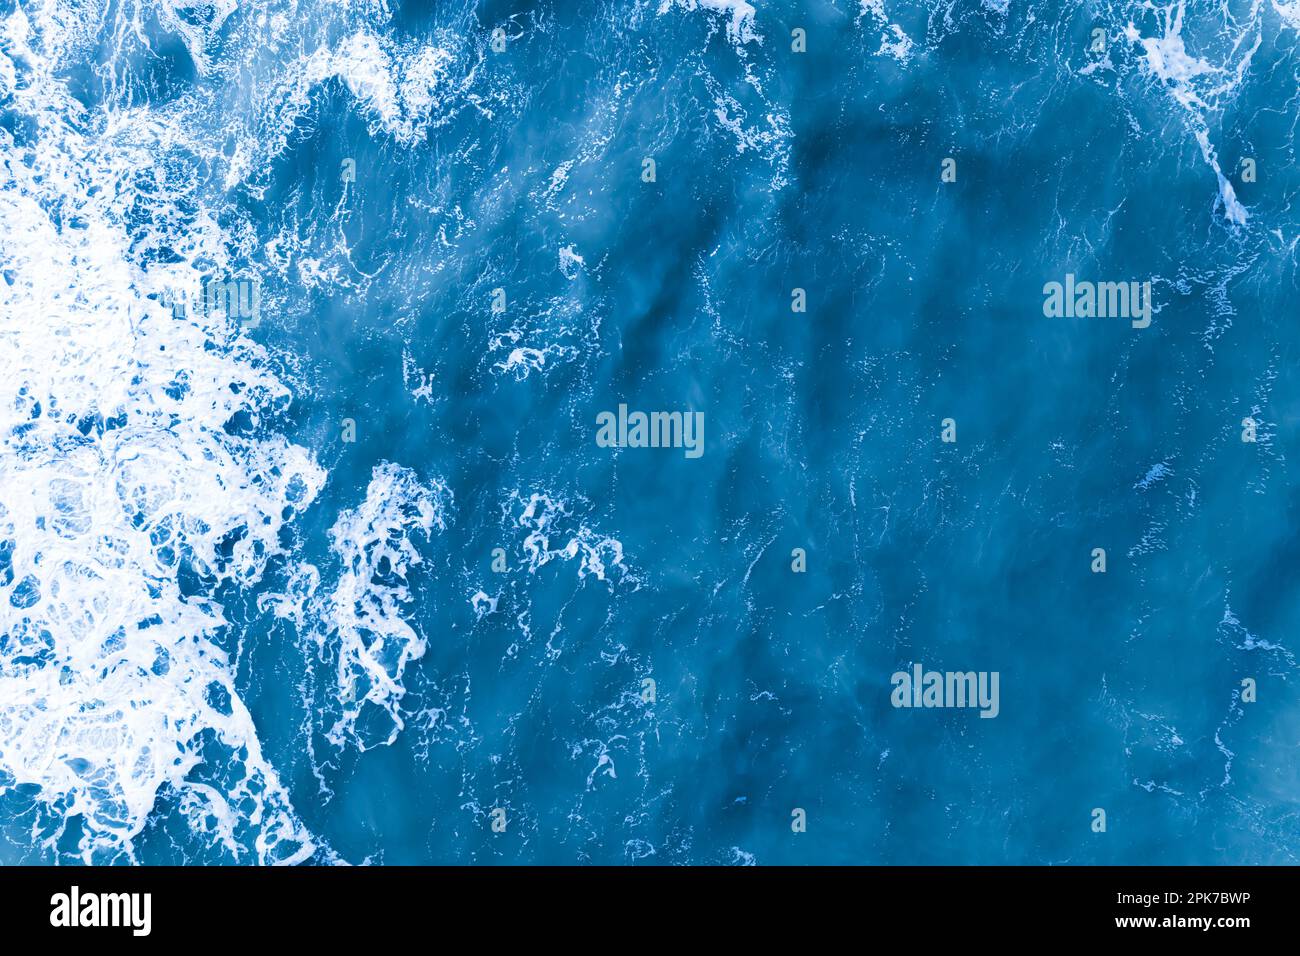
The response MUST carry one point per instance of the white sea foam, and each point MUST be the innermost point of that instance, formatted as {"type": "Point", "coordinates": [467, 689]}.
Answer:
{"type": "Point", "coordinates": [483, 604]}
{"type": "Point", "coordinates": [416, 379]}
{"type": "Point", "coordinates": [1289, 13]}
{"type": "Point", "coordinates": [894, 41]}
{"type": "Point", "coordinates": [1199, 86]}
{"type": "Point", "coordinates": [125, 505]}
{"type": "Point", "coordinates": [405, 91]}
{"type": "Point", "coordinates": [739, 15]}
{"type": "Point", "coordinates": [549, 335]}
{"type": "Point", "coordinates": [359, 625]}
{"type": "Point", "coordinates": [570, 262]}
{"type": "Point", "coordinates": [198, 23]}
{"type": "Point", "coordinates": [523, 360]}
{"type": "Point", "coordinates": [365, 619]}
{"type": "Point", "coordinates": [547, 518]}
{"type": "Point", "coordinates": [770, 140]}
{"type": "Point", "coordinates": [770, 136]}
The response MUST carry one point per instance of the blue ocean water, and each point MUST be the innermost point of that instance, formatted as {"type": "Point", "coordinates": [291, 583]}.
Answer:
{"type": "Point", "coordinates": [348, 577]}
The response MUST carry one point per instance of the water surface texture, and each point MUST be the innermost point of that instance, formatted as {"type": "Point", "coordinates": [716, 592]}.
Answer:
{"type": "Point", "coordinates": [337, 566]}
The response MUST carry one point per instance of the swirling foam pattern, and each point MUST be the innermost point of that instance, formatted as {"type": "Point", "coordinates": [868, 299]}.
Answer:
{"type": "Point", "coordinates": [353, 581]}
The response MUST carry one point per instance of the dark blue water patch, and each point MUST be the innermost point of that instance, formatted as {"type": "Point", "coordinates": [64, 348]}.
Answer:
{"type": "Point", "coordinates": [26, 592]}
{"type": "Point", "coordinates": [823, 435]}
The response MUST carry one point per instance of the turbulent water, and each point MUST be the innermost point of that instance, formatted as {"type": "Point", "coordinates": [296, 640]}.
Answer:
{"type": "Point", "coordinates": [337, 566]}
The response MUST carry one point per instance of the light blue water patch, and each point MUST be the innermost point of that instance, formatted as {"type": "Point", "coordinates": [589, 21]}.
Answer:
{"type": "Point", "coordinates": [313, 549]}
